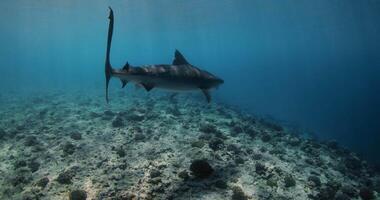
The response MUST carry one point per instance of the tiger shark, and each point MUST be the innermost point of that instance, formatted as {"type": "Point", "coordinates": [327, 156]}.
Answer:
{"type": "Point", "coordinates": [178, 76]}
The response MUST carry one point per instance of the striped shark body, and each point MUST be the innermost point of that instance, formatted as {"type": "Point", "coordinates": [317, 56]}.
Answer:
{"type": "Point", "coordinates": [178, 76]}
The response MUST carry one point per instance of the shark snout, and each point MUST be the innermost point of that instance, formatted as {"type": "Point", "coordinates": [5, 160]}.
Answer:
{"type": "Point", "coordinates": [219, 81]}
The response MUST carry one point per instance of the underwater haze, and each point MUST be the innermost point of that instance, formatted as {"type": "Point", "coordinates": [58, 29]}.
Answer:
{"type": "Point", "coordinates": [307, 68]}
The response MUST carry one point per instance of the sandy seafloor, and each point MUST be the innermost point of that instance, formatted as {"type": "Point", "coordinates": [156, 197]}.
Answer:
{"type": "Point", "coordinates": [72, 145]}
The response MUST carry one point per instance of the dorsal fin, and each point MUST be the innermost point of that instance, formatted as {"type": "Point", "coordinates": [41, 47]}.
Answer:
{"type": "Point", "coordinates": [179, 59]}
{"type": "Point", "coordinates": [126, 66]}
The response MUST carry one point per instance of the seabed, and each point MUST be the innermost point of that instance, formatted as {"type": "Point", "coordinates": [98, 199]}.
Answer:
{"type": "Point", "coordinates": [72, 145]}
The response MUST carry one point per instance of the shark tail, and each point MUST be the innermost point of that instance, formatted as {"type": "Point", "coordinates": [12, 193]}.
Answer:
{"type": "Point", "coordinates": [108, 67]}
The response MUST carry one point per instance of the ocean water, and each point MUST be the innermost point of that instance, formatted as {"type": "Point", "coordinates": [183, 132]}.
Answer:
{"type": "Point", "coordinates": [296, 118]}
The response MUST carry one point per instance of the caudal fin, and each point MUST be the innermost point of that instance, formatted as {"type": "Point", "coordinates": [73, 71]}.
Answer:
{"type": "Point", "coordinates": [108, 67]}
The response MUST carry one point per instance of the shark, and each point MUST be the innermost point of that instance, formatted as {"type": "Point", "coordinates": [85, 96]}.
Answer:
{"type": "Point", "coordinates": [178, 76]}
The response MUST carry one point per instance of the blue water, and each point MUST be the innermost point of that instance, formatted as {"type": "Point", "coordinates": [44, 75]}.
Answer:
{"type": "Point", "coordinates": [313, 65]}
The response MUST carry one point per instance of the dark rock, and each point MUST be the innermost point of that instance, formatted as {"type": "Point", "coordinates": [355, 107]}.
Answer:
{"type": "Point", "coordinates": [76, 136]}
{"type": "Point", "coordinates": [314, 180]}
{"type": "Point", "coordinates": [234, 148]}
{"type": "Point", "coordinates": [326, 193]}
{"type": "Point", "coordinates": [68, 148]}
{"type": "Point", "coordinates": [216, 144]}
{"type": "Point", "coordinates": [272, 182]}
{"type": "Point", "coordinates": [239, 160]}
{"type": "Point", "coordinates": [208, 128]}
{"type": "Point", "coordinates": [120, 152]}
{"type": "Point", "coordinates": [251, 132]}
{"type": "Point", "coordinates": [335, 185]}
{"type": "Point", "coordinates": [257, 156]}
{"type": "Point", "coordinates": [366, 193]}
{"type": "Point", "coordinates": [19, 163]}
{"type": "Point", "coordinates": [266, 137]}
{"type": "Point", "coordinates": [205, 137]}
{"type": "Point", "coordinates": [332, 145]}
{"type": "Point", "coordinates": [118, 122]}
{"type": "Point", "coordinates": [30, 141]}
{"type": "Point", "coordinates": [238, 194]}
{"type": "Point", "coordinates": [155, 173]}
{"type": "Point", "coordinates": [201, 169]}
{"type": "Point", "coordinates": [18, 179]}
{"type": "Point", "coordinates": [341, 196]}
{"type": "Point", "coordinates": [66, 176]}
{"type": "Point", "coordinates": [34, 166]}
{"type": "Point", "coordinates": [353, 163]}
{"type": "Point", "coordinates": [184, 175]}
{"type": "Point", "coordinates": [127, 196]}
{"type": "Point", "coordinates": [94, 115]}
{"type": "Point", "coordinates": [78, 195]}
{"type": "Point", "coordinates": [260, 168]}
{"type": "Point", "coordinates": [221, 184]}
{"type": "Point", "coordinates": [174, 111]}
{"type": "Point", "coordinates": [3, 134]}
{"type": "Point", "coordinates": [42, 182]}
{"type": "Point", "coordinates": [198, 143]}
{"type": "Point", "coordinates": [294, 141]}
{"type": "Point", "coordinates": [109, 113]}
{"type": "Point", "coordinates": [139, 136]}
{"type": "Point", "coordinates": [272, 125]}
{"type": "Point", "coordinates": [377, 186]}
{"type": "Point", "coordinates": [289, 181]}
{"type": "Point", "coordinates": [236, 130]}
{"type": "Point", "coordinates": [135, 117]}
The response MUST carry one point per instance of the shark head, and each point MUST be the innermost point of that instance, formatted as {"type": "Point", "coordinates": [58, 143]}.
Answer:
{"type": "Point", "coordinates": [210, 80]}
{"type": "Point", "coordinates": [215, 82]}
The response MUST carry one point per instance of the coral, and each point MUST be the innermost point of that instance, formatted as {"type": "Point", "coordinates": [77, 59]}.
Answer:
{"type": "Point", "coordinates": [145, 157]}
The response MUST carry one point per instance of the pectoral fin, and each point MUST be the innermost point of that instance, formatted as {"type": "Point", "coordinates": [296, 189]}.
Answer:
{"type": "Point", "coordinates": [147, 86]}
{"type": "Point", "coordinates": [123, 82]}
{"type": "Point", "coordinates": [207, 94]}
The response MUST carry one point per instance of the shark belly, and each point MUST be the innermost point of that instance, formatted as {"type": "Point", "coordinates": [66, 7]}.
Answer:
{"type": "Point", "coordinates": [167, 83]}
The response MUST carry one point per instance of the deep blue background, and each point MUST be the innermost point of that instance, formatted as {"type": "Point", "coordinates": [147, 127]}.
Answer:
{"type": "Point", "coordinates": [313, 64]}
